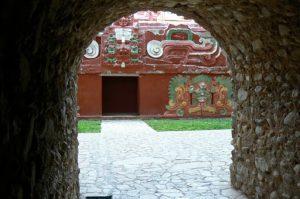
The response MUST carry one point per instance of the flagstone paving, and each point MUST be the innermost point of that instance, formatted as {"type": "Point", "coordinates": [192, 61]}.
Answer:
{"type": "Point", "coordinates": [130, 160]}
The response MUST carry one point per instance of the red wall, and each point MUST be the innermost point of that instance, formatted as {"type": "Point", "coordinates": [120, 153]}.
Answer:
{"type": "Point", "coordinates": [151, 100]}
{"type": "Point", "coordinates": [149, 97]}
{"type": "Point", "coordinates": [153, 93]}
{"type": "Point", "coordinates": [89, 95]}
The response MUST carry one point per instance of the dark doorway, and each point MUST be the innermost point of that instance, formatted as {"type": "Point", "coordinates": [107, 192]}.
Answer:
{"type": "Point", "coordinates": [119, 95]}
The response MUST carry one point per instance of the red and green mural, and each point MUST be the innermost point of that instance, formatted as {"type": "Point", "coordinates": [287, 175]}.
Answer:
{"type": "Point", "coordinates": [168, 65]}
{"type": "Point", "coordinates": [201, 95]}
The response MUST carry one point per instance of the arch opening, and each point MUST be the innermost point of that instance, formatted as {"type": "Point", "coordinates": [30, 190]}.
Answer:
{"type": "Point", "coordinates": [181, 72]}
{"type": "Point", "coordinates": [38, 104]}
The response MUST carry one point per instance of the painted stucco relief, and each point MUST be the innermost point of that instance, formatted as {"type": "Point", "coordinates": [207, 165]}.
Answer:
{"type": "Point", "coordinates": [183, 46]}
{"type": "Point", "coordinates": [149, 42]}
{"type": "Point", "coordinates": [156, 46]}
{"type": "Point", "coordinates": [121, 44]}
{"type": "Point", "coordinates": [201, 95]}
{"type": "Point", "coordinates": [92, 51]}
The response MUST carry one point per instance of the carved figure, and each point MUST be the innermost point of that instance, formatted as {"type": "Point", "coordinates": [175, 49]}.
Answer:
{"type": "Point", "coordinates": [199, 96]}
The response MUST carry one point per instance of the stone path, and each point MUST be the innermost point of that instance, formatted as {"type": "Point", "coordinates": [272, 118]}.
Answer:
{"type": "Point", "coordinates": [132, 161]}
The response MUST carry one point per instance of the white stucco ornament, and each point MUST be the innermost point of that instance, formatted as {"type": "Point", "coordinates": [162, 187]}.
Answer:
{"type": "Point", "coordinates": [92, 51]}
{"type": "Point", "coordinates": [154, 49]}
{"type": "Point", "coordinates": [204, 41]}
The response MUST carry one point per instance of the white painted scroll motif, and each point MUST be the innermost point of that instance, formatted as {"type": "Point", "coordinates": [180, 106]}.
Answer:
{"type": "Point", "coordinates": [92, 51]}
{"type": "Point", "coordinates": [154, 48]}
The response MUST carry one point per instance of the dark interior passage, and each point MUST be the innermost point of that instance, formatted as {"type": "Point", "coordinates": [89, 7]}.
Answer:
{"type": "Point", "coordinates": [120, 95]}
{"type": "Point", "coordinates": [41, 46]}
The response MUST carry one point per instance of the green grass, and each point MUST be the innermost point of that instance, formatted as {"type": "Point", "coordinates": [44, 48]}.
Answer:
{"type": "Point", "coordinates": [89, 126]}
{"type": "Point", "coordinates": [189, 124]}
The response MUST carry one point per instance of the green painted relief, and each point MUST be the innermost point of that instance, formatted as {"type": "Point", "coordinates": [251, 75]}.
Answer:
{"type": "Point", "coordinates": [227, 83]}
{"type": "Point", "coordinates": [111, 50]}
{"type": "Point", "coordinates": [177, 84]}
{"type": "Point", "coordinates": [134, 49]}
{"type": "Point", "coordinates": [134, 38]}
{"type": "Point", "coordinates": [175, 31]}
{"type": "Point", "coordinates": [200, 96]}
{"type": "Point", "coordinates": [136, 60]}
{"type": "Point", "coordinates": [111, 39]}
{"type": "Point", "coordinates": [111, 60]}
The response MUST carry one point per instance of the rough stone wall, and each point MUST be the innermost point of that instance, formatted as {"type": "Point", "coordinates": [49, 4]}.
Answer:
{"type": "Point", "coordinates": [38, 105]}
{"type": "Point", "coordinates": [40, 52]}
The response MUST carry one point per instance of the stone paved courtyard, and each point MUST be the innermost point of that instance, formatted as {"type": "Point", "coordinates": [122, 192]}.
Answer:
{"type": "Point", "coordinates": [131, 161]}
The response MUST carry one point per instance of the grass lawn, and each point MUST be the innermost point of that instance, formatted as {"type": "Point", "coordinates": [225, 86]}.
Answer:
{"type": "Point", "coordinates": [89, 126]}
{"type": "Point", "coordinates": [189, 124]}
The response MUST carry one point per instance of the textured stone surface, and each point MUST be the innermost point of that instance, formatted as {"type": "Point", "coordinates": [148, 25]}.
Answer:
{"type": "Point", "coordinates": [40, 47]}
{"type": "Point", "coordinates": [132, 161]}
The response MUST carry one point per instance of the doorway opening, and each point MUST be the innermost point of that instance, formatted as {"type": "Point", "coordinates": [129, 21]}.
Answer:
{"type": "Point", "coordinates": [119, 95]}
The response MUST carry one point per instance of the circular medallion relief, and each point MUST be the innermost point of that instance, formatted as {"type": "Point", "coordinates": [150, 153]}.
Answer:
{"type": "Point", "coordinates": [92, 51]}
{"type": "Point", "coordinates": [154, 49]}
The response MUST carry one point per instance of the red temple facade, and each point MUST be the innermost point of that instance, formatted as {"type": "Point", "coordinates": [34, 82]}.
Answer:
{"type": "Point", "coordinates": [154, 64]}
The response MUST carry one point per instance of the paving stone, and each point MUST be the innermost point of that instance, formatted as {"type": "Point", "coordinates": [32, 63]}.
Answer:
{"type": "Point", "coordinates": [131, 160]}
{"type": "Point", "coordinates": [148, 197]}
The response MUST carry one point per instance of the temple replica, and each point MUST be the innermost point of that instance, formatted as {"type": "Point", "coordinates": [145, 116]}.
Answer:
{"type": "Point", "coordinates": [154, 64]}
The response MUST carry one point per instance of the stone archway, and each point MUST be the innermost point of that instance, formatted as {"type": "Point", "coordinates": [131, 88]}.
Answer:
{"type": "Point", "coordinates": [41, 52]}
